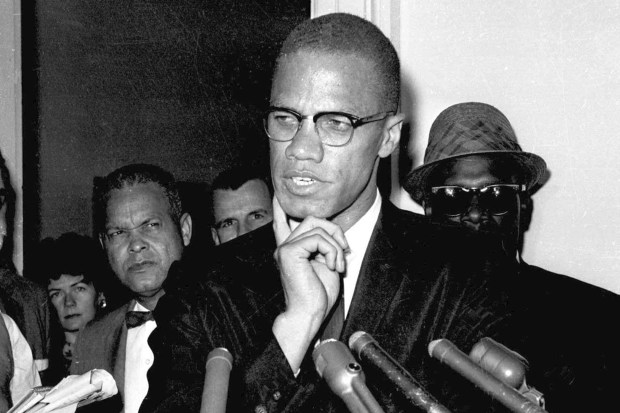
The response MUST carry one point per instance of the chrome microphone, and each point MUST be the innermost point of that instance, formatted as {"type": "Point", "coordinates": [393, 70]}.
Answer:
{"type": "Point", "coordinates": [344, 376]}
{"type": "Point", "coordinates": [217, 375]}
{"type": "Point", "coordinates": [506, 365]}
{"type": "Point", "coordinates": [373, 356]}
{"type": "Point", "coordinates": [446, 352]}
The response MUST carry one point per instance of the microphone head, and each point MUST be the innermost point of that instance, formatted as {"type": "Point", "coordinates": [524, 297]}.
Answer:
{"type": "Point", "coordinates": [502, 362]}
{"type": "Point", "coordinates": [335, 363]}
{"type": "Point", "coordinates": [220, 354]}
{"type": "Point", "coordinates": [359, 340]}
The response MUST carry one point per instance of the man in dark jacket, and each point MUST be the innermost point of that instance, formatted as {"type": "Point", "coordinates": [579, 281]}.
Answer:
{"type": "Point", "coordinates": [338, 258]}
{"type": "Point", "coordinates": [143, 230]}
{"type": "Point", "coordinates": [476, 175]}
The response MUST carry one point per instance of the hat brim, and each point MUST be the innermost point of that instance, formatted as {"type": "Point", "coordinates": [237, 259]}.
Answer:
{"type": "Point", "coordinates": [533, 165]}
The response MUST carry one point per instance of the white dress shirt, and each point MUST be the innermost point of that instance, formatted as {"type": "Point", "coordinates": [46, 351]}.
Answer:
{"type": "Point", "coordinates": [25, 375]}
{"type": "Point", "coordinates": [358, 237]}
{"type": "Point", "coordinates": [138, 360]}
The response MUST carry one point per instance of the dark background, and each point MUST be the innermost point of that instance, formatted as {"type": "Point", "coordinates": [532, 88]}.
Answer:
{"type": "Point", "coordinates": [177, 83]}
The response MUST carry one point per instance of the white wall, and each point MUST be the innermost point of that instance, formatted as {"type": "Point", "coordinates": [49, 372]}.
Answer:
{"type": "Point", "coordinates": [553, 68]}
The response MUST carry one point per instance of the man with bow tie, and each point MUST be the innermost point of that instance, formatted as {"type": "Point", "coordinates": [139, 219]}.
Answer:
{"type": "Point", "coordinates": [143, 230]}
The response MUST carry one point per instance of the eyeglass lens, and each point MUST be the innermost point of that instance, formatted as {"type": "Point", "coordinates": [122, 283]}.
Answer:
{"type": "Point", "coordinates": [453, 201]}
{"type": "Point", "coordinates": [333, 129]}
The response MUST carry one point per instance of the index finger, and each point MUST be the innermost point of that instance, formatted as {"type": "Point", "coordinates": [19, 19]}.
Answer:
{"type": "Point", "coordinates": [280, 223]}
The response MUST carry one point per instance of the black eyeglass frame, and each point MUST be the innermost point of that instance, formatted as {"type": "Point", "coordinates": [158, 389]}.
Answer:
{"type": "Point", "coordinates": [356, 122]}
{"type": "Point", "coordinates": [518, 188]}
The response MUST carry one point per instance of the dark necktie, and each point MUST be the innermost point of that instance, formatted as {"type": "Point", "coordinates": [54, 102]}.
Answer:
{"type": "Point", "coordinates": [137, 318]}
{"type": "Point", "coordinates": [335, 318]}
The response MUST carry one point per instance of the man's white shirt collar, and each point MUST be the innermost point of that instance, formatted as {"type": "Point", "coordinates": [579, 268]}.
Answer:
{"type": "Point", "coordinates": [358, 238]}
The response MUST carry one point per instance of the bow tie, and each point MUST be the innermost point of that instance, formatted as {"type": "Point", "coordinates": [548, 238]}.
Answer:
{"type": "Point", "coordinates": [137, 318]}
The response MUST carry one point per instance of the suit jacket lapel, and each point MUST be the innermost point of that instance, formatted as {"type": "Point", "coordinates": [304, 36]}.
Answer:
{"type": "Point", "coordinates": [118, 352]}
{"type": "Point", "coordinates": [377, 284]}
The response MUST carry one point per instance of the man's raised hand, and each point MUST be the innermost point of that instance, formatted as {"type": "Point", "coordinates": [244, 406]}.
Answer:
{"type": "Point", "coordinates": [311, 259]}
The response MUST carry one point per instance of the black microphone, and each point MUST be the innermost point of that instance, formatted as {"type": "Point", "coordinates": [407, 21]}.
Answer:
{"type": "Point", "coordinates": [344, 376]}
{"type": "Point", "coordinates": [217, 374]}
{"type": "Point", "coordinates": [446, 352]}
{"type": "Point", "coordinates": [376, 358]}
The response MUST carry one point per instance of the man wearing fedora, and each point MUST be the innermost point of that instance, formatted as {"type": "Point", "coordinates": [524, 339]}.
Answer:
{"type": "Point", "coordinates": [476, 175]}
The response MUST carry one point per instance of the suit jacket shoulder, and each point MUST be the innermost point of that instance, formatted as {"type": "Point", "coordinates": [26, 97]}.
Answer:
{"type": "Point", "coordinates": [27, 303]}
{"type": "Point", "coordinates": [97, 344]}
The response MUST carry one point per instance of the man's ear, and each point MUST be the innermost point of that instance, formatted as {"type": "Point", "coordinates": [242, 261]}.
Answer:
{"type": "Point", "coordinates": [391, 134]}
{"type": "Point", "coordinates": [527, 207]}
{"type": "Point", "coordinates": [186, 228]}
{"type": "Point", "coordinates": [216, 238]}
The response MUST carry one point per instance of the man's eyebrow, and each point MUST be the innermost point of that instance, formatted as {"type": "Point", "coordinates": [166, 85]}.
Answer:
{"type": "Point", "coordinates": [258, 210]}
{"type": "Point", "coordinates": [121, 227]}
{"type": "Point", "coordinates": [221, 221]}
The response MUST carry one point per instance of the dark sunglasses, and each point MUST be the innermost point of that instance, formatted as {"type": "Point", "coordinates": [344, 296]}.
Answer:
{"type": "Point", "coordinates": [454, 200]}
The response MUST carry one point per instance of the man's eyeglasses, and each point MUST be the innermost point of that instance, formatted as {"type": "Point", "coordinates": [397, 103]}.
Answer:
{"type": "Point", "coordinates": [455, 200]}
{"type": "Point", "coordinates": [334, 128]}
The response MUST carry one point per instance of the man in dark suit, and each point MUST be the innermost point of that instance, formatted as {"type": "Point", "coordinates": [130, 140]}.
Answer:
{"type": "Point", "coordinates": [143, 230]}
{"type": "Point", "coordinates": [476, 175]}
{"type": "Point", "coordinates": [345, 259]}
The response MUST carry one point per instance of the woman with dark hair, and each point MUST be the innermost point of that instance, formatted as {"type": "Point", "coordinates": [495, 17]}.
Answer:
{"type": "Point", "coordinates": [75, 271]}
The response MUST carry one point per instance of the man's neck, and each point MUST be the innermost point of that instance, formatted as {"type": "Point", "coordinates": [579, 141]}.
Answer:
{"type": "Point", "coordinates": [151, 301]}
{"type": "Point", "coordinates": [70, 336]}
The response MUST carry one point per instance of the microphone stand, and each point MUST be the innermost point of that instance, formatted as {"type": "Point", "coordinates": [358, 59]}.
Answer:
{"type": "Point", "coordinates": [372, 354]}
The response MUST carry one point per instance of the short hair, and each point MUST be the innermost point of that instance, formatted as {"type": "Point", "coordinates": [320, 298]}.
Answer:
{"type": "Point", "coordinates": [134, 174]}
{"type": "Point", "coordinates": [343, 33]}
{"type": "Point", "coordinates": [72, 254]}
{"type": "Point", "coordinates": [233, 178]}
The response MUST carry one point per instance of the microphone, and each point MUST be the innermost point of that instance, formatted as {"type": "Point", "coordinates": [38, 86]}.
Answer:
{"type": "Point", "coordinates": [344, 376]}
{"type": "Point", "coordinates": [503, 363]}
{"type": "Point", "coordinates": [217, 374]}
{"type": "Point", "coordinates": [446, 352]}
{"type": "Point", "coordinates": [371, 354]}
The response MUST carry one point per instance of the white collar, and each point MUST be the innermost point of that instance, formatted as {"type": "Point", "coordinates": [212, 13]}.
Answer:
{"type": "Point", "coordinates": [358, 238]}
{"type": "Point", "coordinates": [139, 307]}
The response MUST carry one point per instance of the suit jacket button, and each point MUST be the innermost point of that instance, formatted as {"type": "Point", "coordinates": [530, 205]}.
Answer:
{"type": "Point", "coordinates": [260, 409]}
{"type": "Point", "coordinates": [277, 395]}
